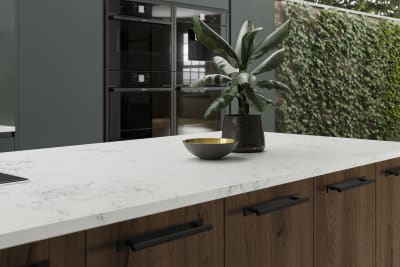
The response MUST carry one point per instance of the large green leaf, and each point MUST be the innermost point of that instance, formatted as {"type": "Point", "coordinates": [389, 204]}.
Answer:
{"type": "Point", "coordinates": [248, 46]}
{"type": "Point", "coordinates": [247, 26]}
{"type": "Point", "coordinates": [212, 80]}
{"type": "Point", "coordinates": [214, 42]}
{"type": "Point", "coordinates": [271, 62]}
{"type": "Point", "coordinates": [224, 66]}
{"type": "Point", "coordinates": [246, 79]}
{"type": "Point", "coordinates": [255, 100]}
{"type": "Point", "coordinates": [271, 84]}
{"type": "Point", "coordinates": [272, 40]}
{"type": "Point", "coordinates": [222, 101]}
{"type": "Point", "coordinates": [261, 96]}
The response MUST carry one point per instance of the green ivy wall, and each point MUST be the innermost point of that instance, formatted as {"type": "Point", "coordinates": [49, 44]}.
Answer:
{"type": "Point", "coordinates": [344, 72]}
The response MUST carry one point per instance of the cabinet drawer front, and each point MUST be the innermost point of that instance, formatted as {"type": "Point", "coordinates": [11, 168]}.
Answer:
{"type": "Point", "coordinates": [64, 251]}
{"type": "Point", "coordinates": [190, 236]}
{"type": "Point", "coordinates": [282, 233]}
{"type": "Point", "coordinates": [388, 213]}
{"type": "Point", "coordinates": [345, 218]}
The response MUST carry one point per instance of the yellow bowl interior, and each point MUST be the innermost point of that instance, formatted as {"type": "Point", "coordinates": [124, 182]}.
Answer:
{"type": "Point", "coordinates": [210, 141]}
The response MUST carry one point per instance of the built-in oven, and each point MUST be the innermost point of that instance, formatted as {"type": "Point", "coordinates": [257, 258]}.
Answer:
{"type": "Point", "coordinates": [194, 61]}
{"type": "Point", "coordinates": [139, 69]}
{"type": "Point", "coordinates": [139, 113]}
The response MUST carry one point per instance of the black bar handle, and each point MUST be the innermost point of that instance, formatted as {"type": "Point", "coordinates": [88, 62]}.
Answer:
{"type": "Point", "coordinates": [165, 235]}
{"type": "Point", "coordinates": [349, 184]}
{"type": "Point", "coordinates": [274, 205]}
{"type": "Point", "coordinates": [393, 172]}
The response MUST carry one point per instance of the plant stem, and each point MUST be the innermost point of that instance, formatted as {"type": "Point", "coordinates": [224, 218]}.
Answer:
{"type": "Point", "coordinates": [244, 108]}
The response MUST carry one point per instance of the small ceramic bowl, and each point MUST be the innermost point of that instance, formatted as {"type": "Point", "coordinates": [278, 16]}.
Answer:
{"type": "Point", "coordinates": [210, 148]}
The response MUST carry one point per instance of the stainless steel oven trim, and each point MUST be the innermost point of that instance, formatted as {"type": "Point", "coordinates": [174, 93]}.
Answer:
{"type": "Point", "coordinates": [140, 90]}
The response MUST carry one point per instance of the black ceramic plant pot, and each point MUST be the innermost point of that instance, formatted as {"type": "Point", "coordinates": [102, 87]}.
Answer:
{"type": "Point", "coordinates": [247, 130]}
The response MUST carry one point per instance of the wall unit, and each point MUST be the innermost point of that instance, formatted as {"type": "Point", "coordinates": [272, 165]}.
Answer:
{"type": "Point", "coordinates": [8, 77]}
{"type": "Point", "coordinates": [331, 220]}
{"type": "Point", "coordinates": [60, 73]}
{"type": "Point", "coordinates": [6, 144]}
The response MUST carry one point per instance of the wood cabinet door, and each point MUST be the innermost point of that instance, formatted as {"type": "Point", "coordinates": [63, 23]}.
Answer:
{"type": "Point", "coordinates": [271, 227]}
{"type": "Point", "coordinates": [388, 213]}
{"type": "Point", "coordinates": [169, 239]}
{"type": "Point", "coordinates": [344, 213]}
{"type": "Point", "coordinates": [65, 251]}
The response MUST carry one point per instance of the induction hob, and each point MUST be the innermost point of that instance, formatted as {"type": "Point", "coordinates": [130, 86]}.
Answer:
{"type": "Point", "coordinates": [7, 178]}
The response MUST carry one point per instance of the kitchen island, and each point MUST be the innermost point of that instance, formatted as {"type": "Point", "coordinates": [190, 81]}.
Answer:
{"type": "Point", "coordinates": [306, 200]}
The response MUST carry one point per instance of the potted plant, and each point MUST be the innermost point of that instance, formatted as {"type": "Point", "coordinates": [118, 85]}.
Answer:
{"type": "Point", "coordinates": [241, 83]}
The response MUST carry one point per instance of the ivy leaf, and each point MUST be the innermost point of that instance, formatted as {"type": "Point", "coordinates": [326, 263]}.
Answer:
{"type": "Point", "coordinates": [212, 80]}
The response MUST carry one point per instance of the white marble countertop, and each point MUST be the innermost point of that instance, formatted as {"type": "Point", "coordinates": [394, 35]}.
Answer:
{"type": "Point", "coordinates": [6, 130]}
{"type": "Point", "coordinates": [82, 187]}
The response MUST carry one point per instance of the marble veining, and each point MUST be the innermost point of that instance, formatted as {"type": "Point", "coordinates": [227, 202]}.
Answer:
{"type": "Point", "coordinates": [81, 187]}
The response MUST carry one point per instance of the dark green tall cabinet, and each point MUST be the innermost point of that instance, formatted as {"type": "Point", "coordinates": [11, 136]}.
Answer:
{"type": "Point", "coordinates": [60, 73]}
{"type": "Point", "coordinates": [261, 13]}
{"type": "Point", "coordinates": [7, 62]}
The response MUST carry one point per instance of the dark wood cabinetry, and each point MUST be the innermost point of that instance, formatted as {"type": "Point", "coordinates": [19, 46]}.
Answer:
{"type": "Point", "coordinates": [344, 215]}
{"type": "Point", "coordinates": [66, 251]}
{"type": "Point", "coordinates": [203, 248]}
{"type": "Point", "coordinates": [271, 227]}
{"type": "Point", "coordinates": [388, 214]}
{"type": "Point", "coordinates": [349, 218]}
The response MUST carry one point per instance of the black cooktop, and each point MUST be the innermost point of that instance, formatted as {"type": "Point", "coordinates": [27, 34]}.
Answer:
{"type": "Point", "coordinates": [6, 178]}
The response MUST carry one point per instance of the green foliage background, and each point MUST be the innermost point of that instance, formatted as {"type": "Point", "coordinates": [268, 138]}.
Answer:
{"type": "Point", "coordinates": [344, 72]}
{"type": "Point", "coordinates": [390, 8]}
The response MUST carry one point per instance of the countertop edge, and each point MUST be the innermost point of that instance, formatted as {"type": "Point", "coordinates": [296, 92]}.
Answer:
{"type": "Point", "coordinates": [98, 220]}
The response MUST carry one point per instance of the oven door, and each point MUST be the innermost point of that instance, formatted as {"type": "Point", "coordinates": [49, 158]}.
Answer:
{"type": "Point", "coordinates": [139, 113]}
{"type": "Point", "coordinates": [139, 53]}
{"type": "Point", "coordinates": [192, 103]}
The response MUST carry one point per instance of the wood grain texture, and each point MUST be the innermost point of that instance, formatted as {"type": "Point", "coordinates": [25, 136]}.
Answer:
{"type": "Point", "coordinates": [388, 216]}
{"type": "Point", "coordinates": [200, 250]}
{"type": "Point", "coordinates": [282, 238]}
{"type": "Point", "coordinates": [345, 222]}
{"type": "Point", "coordinates": [65, 251]}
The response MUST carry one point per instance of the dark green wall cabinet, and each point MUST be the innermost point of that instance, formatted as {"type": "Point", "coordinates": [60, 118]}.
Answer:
{"type": "Point", "coordinates": [6, 144]}
{"type": "Point", "coordinates": [60, 75]}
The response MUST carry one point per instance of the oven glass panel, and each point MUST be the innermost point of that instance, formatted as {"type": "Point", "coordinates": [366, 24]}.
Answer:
{"type": "Point", "coordinates": [191, 106]}
{"type": "Point", "coordinates": [139, 46]}
{"type": "Point", "coordinates": [140, 9]}
{"type": "Point", "coordinates": [140, 115]}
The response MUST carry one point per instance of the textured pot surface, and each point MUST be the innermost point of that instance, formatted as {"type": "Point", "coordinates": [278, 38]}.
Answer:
{"type": "Point", "coordinates": [247, 130]}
